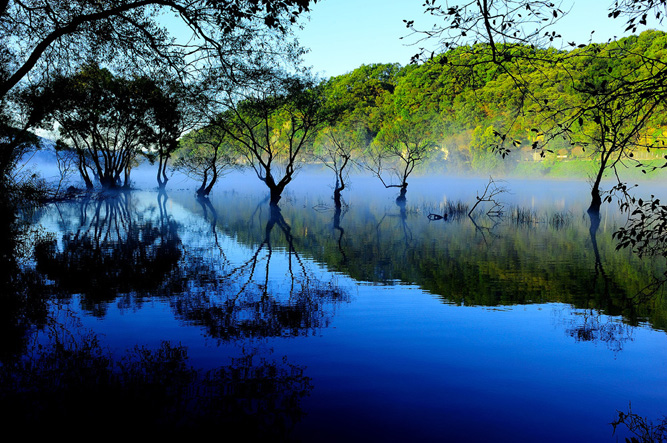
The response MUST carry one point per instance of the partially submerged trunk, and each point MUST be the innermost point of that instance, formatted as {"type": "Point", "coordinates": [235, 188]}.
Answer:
{"type": "Point", "coordinates": [276, 195]}
{"type": "Point", "coordinates": [596, 201]}
{"type": "Point", "coordinates": [337, 198]}
{"type": "Point", "coordinates": [108, 182]}
{"type": "Point", "coordinates": [276, 189]}
{"type": "Point", "coordinates": [401, 196]}
{"type": "Point", "coordinates": [84, 173]}
{"type": "Point", "coordinates": [340, 186]}
{"type": "Point", "coordinates": [162, 178]}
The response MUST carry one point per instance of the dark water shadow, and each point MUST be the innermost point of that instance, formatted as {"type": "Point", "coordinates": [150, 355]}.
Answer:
{"type": "Point", "coordinates": [149, 392]}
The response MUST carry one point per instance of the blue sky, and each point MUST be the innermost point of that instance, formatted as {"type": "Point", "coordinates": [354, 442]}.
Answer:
{"type": "Point", "coordinates": [344, 34]}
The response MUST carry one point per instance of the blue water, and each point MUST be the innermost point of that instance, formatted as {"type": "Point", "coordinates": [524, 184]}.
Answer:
{"type": "Point", "coordinates": [392, 356]}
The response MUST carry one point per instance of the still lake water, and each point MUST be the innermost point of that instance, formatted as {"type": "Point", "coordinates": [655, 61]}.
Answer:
{"type": "Point", "coordinates": [369, 324]}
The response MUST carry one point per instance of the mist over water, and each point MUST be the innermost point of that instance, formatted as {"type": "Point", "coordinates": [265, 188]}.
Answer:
{"type": "Point", "coordinates": [369, 323]}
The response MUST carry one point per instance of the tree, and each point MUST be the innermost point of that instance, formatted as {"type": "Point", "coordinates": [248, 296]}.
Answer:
{"type": "Point", "coordinates": [272, 120]}
{"type": "Point", "coordinates": [613, 105]}
{"type": "Point", "coordinates": [170, 115]}
{"type": "Point", "coordinates": [620, 118]}
{"type": "Point", "coordinates": [401, 145]}
{"type": "Point", "coordinates": [40, 39]}
{"type": "Point", "coordinates": [204, 155]}
{"type": "Point", "coordinates": [335, 148]}
{"type": "Point", "coordinates": [102, 117]}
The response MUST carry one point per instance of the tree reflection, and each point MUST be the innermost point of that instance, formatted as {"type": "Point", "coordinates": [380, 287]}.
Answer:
{"type": "Point", "coordinates": [605, 288]}
{"type": "Point", "coordinates": [22, 291]}
{"type": "Point", "coordinates": [338, 214]}
{"type": "Point", "coordinates": [589, 325]}
{"type": "Point", "coordinates": [595, 225]}
{"type": "Point", "coordinates": [113, 250]}
{"type": "Point", "coordinates": [486, 229]}
{"type": "Point", "coordinates": [245, 301]}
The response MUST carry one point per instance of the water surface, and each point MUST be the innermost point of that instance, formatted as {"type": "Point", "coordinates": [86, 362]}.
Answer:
{"type": "Point", "coordinates": [367, 323]}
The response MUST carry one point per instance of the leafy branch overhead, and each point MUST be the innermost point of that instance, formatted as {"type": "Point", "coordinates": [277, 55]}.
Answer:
{"type": "Point", "coordinates": [40, 36]}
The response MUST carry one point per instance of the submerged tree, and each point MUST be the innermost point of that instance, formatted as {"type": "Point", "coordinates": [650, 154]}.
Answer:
{"type": "Point", "coordinates": [616, 89]}
{"type": "Point", "coordinates": [615, 107]}
{"type": "Point", "coordinates": [205, 155]}
{"type": "Point", "coordinates": [401, 145]}
{"type": "Point", "coordinates": [169, 115]}
{"type": "Point", "coordinates": [103, 118]}
{"type": "Point", "coordinates": [272, 121]}
{"type": "Point", "coordinates": [40, 39]}
{"type": "Point", "coordinates": [335, 148]}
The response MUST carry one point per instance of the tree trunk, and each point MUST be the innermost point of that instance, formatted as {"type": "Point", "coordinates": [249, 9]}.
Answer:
{"type": "Point", "coordinates": [596, 200]}
{"type": "Point", "coordinates": [276, 189]}
{"type": "Point", "coordinates": [214, 179]}
{"type": "Point", "coordinates": [275, 196]}
{"type": "Point", "coordinates": [401, 197]}
{"type": "Point", "coordinates": [201, 192]}
{"type": "Point", "coordinates": [162, 178]}
{"type": "Point", "coordinates": [161, 184]}
{"type": "Point", "coordinates": [86, 179]}
{"type": "Point", "coordinates": [337, 198]}
{"type": "Point", "coordinates": [108, 182]}
{"type": "Point", "coordinates": [84, 172]}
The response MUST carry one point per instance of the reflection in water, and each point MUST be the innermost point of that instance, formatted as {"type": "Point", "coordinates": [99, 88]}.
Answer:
{"type": "Point", "coordinates": [23, 298]}
{"type": "Point", "coordinates": [595, 226]}
{"type": "Point", "coordinates": [238, 283]}
{"type": "Point", "coordinates": [244, 301]}
{"type": "Point", "coordinates": [117, 248]}
{"type": "Point", "coordinates": [489, 261]}
{"type": "Point", "coordinates": [588, 325]}
{"type": "Point", "coordinates": [485, 228]}
{"type": "Point", "coordinates": [336, 225]}
{"type": "Point", "coordinates": [112, 250]}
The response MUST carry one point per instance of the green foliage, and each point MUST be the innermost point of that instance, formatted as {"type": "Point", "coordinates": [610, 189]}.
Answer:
{"type": "Point", "coordinates": [106, 120]}
{"type": "Point", "coordinates": [558, 105]}
{"type": "Point", "coordinates": [483, 157]}
{"type": "Point", "coordinates": [205, 155]}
